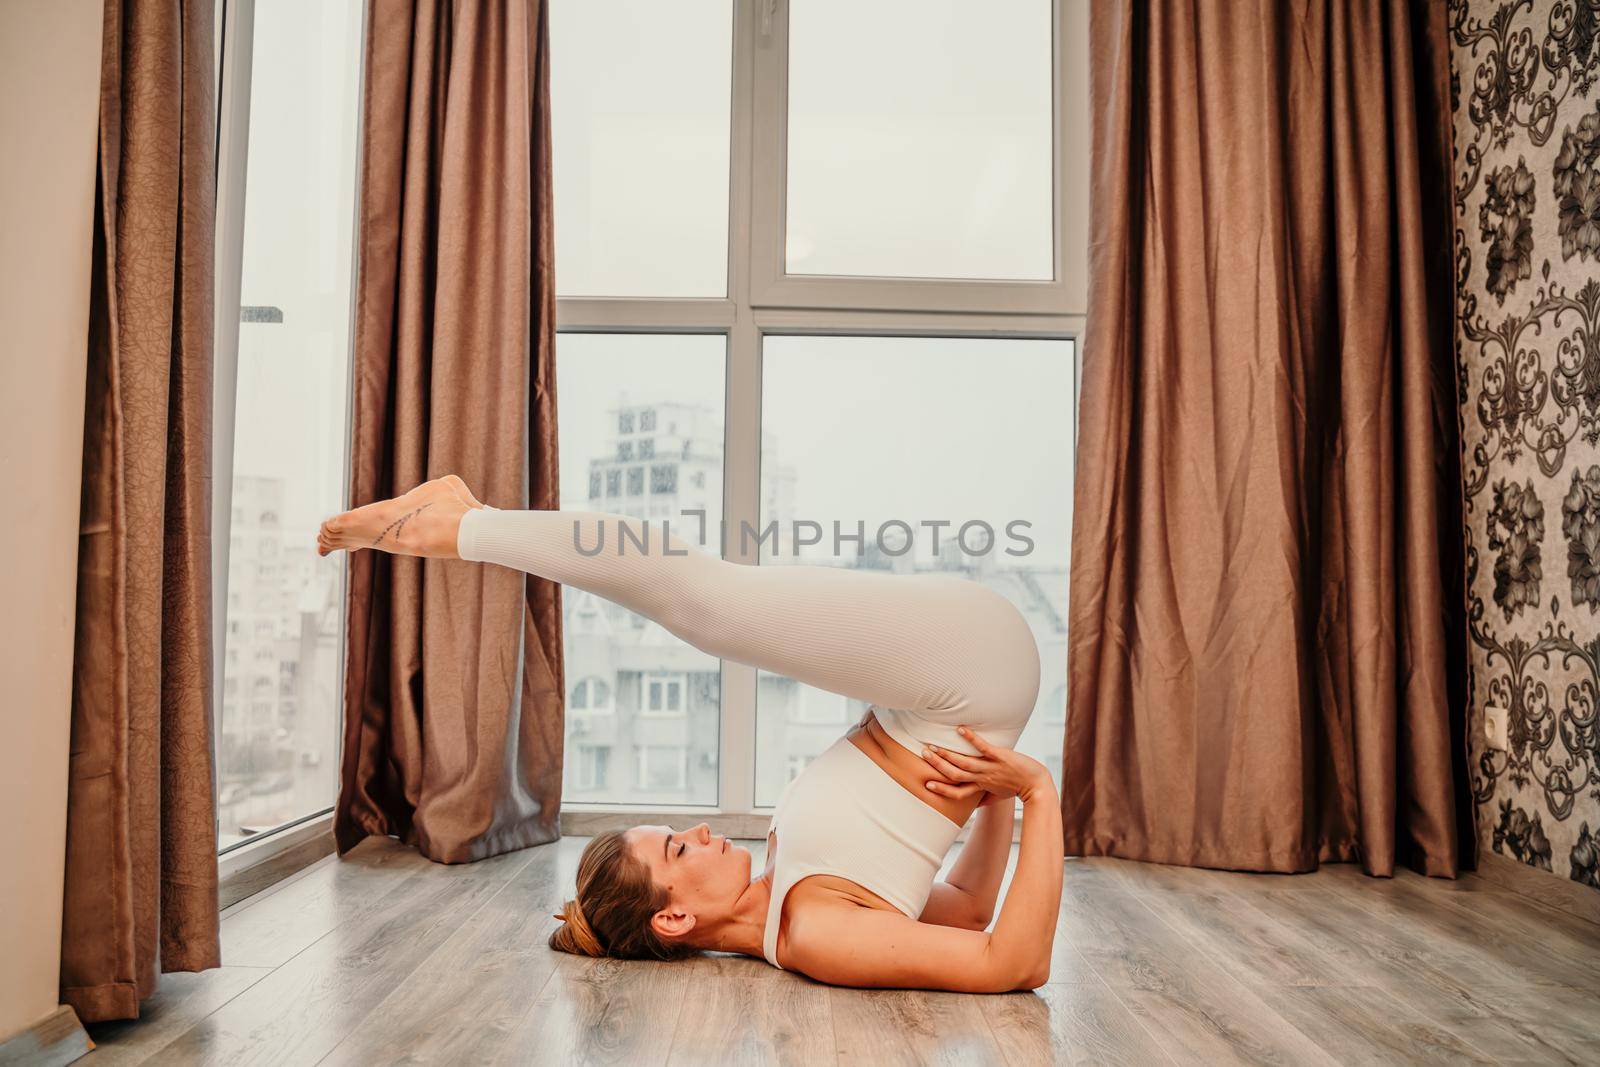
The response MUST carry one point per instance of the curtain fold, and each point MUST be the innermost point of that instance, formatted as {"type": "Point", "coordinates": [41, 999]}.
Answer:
{"type": "Point", "coordinates": [141, 855]}
{"type": "Point", "coordinates": [453, 684]}
{"type": "Point", "coordinates": [1266, 647]}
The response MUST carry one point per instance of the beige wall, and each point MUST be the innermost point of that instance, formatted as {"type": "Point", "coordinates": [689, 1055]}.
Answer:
{"type": "Point", "coordinates": [49, 84]}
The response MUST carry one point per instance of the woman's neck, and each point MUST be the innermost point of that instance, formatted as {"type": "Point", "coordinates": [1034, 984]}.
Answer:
{"type": "Point", "coordinates": [745, 928]}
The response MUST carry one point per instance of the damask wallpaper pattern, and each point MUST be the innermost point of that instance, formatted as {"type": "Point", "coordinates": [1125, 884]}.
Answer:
{"type": "Point", "coordinates": [1527, 207]}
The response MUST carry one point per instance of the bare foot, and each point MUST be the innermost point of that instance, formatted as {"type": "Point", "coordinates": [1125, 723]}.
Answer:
{"type": "Point", "coordinates": [423, 522]}
{"type": "Point", "coordinates": [461, 490]}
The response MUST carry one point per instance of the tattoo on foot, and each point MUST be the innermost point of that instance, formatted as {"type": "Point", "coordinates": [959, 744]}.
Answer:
{"type": "Point", "coordinates": [399, 524]}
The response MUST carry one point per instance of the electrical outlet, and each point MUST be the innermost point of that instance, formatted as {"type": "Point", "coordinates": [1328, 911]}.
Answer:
{"type": "Point", "coordinates": [1495, 724]}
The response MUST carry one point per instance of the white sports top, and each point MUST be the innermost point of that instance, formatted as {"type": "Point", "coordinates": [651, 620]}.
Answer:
{"type": "Point", "coordinates": [844, 815]}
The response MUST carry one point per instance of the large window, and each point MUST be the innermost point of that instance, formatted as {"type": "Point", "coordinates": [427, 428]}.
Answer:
{"type": "Point", "coordinates": [816, 262]}
{"type": "Point", "coordinates": [965, 444]}
{"type": "Point", "coordinates": [287, 160]}
{"type": "Point", "coordinates": [642, 690]}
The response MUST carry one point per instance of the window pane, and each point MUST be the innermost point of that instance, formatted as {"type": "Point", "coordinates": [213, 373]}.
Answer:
{"type": "Point", "coordinates": [920, 139]}
{"type": "Point", "coordinates": [651, 716]}
{"type": "Point", "coordinates": [640, 92]}
{"type": "Point", "coordinates": [871, 429]}
{"type": "Point", "coordinates": [278, 722]}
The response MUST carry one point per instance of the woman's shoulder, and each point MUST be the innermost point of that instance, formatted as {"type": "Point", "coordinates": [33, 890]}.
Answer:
{"type": "Point", "coordinates": [822, 892]}
{"type": "Point", "coordinates": [802, 918]}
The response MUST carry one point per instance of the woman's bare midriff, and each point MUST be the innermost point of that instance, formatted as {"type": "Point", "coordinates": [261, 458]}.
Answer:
{"type": "Point", "coordinates": [907, 768]}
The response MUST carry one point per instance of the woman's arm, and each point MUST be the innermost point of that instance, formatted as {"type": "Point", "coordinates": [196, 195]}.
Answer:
{"type": "Point", "coordinates": [1025, 931]}
{"type": "Point", "coordinates": [847, 944]}
{"type": "Point", "coordinates": [851, 945]}
{"type": "Point", "coordinates": [967, 895]}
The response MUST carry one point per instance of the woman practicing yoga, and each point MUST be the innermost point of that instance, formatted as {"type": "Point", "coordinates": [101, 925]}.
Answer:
{"type": "Point", "coordinates": [950, 671]}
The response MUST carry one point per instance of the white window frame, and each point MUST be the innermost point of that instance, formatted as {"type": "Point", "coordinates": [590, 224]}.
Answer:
{"type": "Point", "coordinates": [762, 301]}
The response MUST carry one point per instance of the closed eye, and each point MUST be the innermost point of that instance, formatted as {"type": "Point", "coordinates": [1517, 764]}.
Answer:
{"type": "Point", "coordinates": [681, 846]}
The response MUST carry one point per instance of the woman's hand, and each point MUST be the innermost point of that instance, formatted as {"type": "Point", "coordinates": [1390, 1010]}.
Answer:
{"type": "Point", "coordinates": [1003, 773]}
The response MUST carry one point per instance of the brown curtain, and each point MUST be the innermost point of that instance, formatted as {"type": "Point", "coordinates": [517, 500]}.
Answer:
{"type": "Point", "coordinates": [1266, 653]}
{"type": "Point", "coordinates": [141, 860]}
{"type": "Point", "coordinates": [453, 684]}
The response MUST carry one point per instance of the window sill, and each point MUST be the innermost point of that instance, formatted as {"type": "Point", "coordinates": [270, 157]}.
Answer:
{"type": "Point", "coordinates": [255, 866]}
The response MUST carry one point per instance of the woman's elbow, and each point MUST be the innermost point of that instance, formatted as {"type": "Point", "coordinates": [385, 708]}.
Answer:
{"type": "Point", "coordinates": [1016, 981]}
{"type": "Point", "coordinates": [1010, 978]}
{"type": "Point", "coordinates": [1036, 978]}
{"type": "Point", "coordinates": [1036, 973]}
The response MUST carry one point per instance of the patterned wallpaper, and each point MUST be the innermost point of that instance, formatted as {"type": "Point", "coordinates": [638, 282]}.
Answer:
{"type": "Point", "coordinates": [1527, 206]}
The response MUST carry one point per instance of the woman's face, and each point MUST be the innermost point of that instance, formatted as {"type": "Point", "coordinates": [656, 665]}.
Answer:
{"type": "Point", "coordinates": [702, 873]}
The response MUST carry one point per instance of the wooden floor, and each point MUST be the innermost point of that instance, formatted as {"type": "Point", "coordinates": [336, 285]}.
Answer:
{"type": "Point", "coordinates": [385, 958]}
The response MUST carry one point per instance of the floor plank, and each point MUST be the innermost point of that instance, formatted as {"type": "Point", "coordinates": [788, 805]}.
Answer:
{"type": "Point", "coordinates": [182, 1001]}
{"type": "Point", "coordinates": [737, 1022]}
{"type": "Point", "coordinates": [1239, 937]}
{"type": "Point", "coordinates": [465, 1002]}
{"type": "Point", "coordinates": [1411, 963]}
{"type": "Point", "coordinates": [269, 930]}
{"type": "Point", "coordinates": [1477, 925]}
{"type": "Point", "coordinates": [385, 957]}
{"type": "Point", "coordinates": [912, 1026]}
{"type": "Point", "coordinates": [601, 1012]}
{"type": "Point", "coordinates": [1362, 1025]}
{"type": "Point", "coordinates": [311, 1003]}
{"type": "Point", "coordinates": [1080, 1023]}
{"type": "Point", "coordinates": [1192, 1007]}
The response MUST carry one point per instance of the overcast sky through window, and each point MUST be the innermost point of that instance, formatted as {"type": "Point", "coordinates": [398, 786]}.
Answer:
{"type": "Point", "coordinates": [920, 145]}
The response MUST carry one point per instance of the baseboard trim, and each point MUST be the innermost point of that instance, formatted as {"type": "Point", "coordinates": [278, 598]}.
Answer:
{"type": "Point", "coordinates": [56, 1039]}
{"type": "Point", "coordinates": [1550, 889]}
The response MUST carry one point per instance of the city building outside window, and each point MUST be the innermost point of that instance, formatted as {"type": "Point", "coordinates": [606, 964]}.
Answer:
{"type": "Point", "coordinates": [662, 767]}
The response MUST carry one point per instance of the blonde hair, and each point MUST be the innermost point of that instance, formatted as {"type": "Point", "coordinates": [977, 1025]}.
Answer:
{"type": "Point", "coordinates": [576, 936]}
{"type": "Point", "coordinates": [610, 914]}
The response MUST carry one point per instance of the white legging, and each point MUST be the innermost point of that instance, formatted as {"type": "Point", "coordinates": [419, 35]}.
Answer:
{"type": "Point", "coordinates": [928, 651]}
